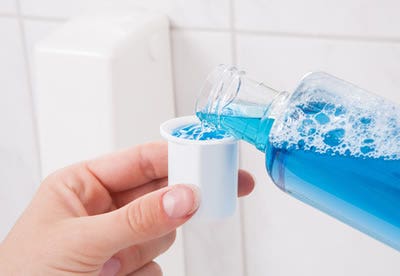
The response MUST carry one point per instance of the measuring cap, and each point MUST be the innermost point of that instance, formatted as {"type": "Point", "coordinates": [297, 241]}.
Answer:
{"type": "Point", "coordinates": [211, 165]}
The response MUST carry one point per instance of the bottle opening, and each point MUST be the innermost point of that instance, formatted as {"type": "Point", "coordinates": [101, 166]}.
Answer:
{"type": "Point", "coordinates": [228, 91]}
{"type": "Point", "coordinates": [231, 101]}
{"type": "Point", "coordinates": [220, 89]}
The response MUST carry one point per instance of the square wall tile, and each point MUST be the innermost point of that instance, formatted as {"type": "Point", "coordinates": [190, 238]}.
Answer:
{"type": "Point", "coordinates": [19, 160]}
{"type": "Point", "coordinates": [57, 8]}
{"type": "Point", "coordinates": [194, 55]}
{"type": "Point", "coordinates": [214, 248]}
{"type": "Point", "coordinates": [282, 61]}
{"type": "Point", "coordinates": [340, 17]}
{"type": "Point", "coordinates": [282, 235]}
{"type": "Point", "coordinates": [8, 6]}
{"type": "Point", "coordinates": [195, 13]}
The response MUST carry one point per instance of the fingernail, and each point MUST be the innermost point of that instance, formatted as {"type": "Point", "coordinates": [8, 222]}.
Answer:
{"type": "Point", "coordinates": [181, 201]}
{"type": "Point", "coordinates": [111, 267]}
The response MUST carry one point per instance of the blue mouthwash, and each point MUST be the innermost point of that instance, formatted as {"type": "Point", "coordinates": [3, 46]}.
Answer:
{"type": "Point", "coordinates": [329, 143]}
{"type": "Point", "coordinates": [200, 132]}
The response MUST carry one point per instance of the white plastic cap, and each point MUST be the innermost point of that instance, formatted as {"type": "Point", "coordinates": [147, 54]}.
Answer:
{"type": "Point", "coordinates": [211, 165]}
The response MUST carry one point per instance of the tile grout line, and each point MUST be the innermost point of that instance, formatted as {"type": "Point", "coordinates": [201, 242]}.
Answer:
{"type": "Point", "coordinates": [171, 50]}
{"type": "Point", "coordinates": [321, 36]}
{"type": "Point", "coordinates": [44, 18]}
{"type": "Point", "coordinates": [181, 231]}
{"type": "Point", "coordinates": [32, 17]}
{"type": "Point", "coordinates": [349, 38]}
{"type": "Point", "coordinates": [232, 31]}
{"type": "Point", "coordinates": [200, 29]}
{"type": "Point", "coordinates": [8, 14]}
{"type": "Point", "coordinates": [185, 258]}
{"type": "Point", "coordinates": [232, 27]}
{"type": "Point", "coordinates": [29, 78]}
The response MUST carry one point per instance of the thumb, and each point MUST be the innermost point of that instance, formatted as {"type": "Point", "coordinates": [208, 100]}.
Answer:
{"type": "Point", "coordinates": [148, 217]}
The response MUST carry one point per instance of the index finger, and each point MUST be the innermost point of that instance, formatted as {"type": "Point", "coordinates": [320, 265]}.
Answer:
{"type": "Point", "coordinates": [130, 168]}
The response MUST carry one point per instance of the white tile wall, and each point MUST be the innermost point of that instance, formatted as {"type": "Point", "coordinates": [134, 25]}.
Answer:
{"type": "Point", "coordinates": [205, 50]}
{"type": "Point", "coordinates": [195, 13]}
{"type": "Point", "coordinates": [8, 6]}
{"type": "Point", "coordinates": [274, 40]}
{"type": "Point", "coordinates": [281, 61]}
{"type": "Point", "coordinates": [214, 248]}
{"type": "Point", "coordinates": [341, 17]}
{"type": "Point", "coordinates": [19, 171]}
{"type": "Point", "coordinates": [56, 8]}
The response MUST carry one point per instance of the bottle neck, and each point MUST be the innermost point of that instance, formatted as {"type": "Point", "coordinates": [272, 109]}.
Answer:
{"type": "Point", "coordinates": [275, 109]}
{"type": "Point", "coordinates": [243, 107]}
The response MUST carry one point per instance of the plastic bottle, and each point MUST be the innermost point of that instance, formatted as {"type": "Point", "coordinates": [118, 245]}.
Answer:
{"type": "Point", "coordinates": [328, 143]}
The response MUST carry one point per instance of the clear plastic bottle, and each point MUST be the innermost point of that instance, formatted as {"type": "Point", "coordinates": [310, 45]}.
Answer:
{"type": "Point", "coordinates": [328, 143]}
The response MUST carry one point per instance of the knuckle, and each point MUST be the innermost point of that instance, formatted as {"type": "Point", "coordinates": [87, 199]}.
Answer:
{"type": "Point", "coordinates": [137, 255]}
{"type": "Point", "coordinates": [155, 269]}
{"type": "Point", "coordinates": [166, 242]}
{"type": "Point", "coordinates": [171, 238]}
{"type": "Point", "coordinates": [141, 218]}
{"type": "Point", "coordinates": [146, 165]}
{"type": "Point", "coordinates": [50, 180]}
{"type": "Point", "coordinates": [64, 176]}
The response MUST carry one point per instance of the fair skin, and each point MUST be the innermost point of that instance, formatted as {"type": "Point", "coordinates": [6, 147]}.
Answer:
{"type": "Point", "coordinates": [108, 216]}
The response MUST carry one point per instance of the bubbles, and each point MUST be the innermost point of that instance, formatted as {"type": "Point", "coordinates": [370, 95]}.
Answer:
{"type": "Point", "coordinates": [307, 127]}
{"type": "Point", "coordinates": [334, 137]}
{"type": "Point", "coordinates": [301, 144]}
{"type": "Point", "coordinates": [365, 120]}
{"type": "Point", "coordinates": [322, 118]}
{"type": "Point", "coordinates": [366, 149]}
{"type": "Point", "coordinates": [340, 110]}
{"type": "Point", "coordinates": [312, 107]}
{"type": "Point", "coordinates": [199, 131]}
{"type": "Point", "coordinates": [340, 123]}
{"type": "Point", "coordinates": [368, 141]}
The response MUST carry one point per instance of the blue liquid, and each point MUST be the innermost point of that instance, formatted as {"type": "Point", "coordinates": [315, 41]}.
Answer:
{"type": "Point", "coordinates": [362, 191]}
{"type": "Point", "coordinates": [244, 128]}
{"type": "Point", "coordinates": [200, 132]}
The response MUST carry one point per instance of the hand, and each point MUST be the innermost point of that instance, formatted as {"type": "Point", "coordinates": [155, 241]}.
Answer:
{"type": "Point", "coordinates": [109, 216]}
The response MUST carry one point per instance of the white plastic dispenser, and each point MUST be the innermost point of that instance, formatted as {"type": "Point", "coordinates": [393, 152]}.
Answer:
{"type": "Point", "coordinates": [211, 165]}
{"type": "Point", "coordinates": [103, 82]}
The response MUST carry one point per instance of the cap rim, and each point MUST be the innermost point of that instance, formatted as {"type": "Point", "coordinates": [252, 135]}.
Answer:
{"type": "Point", "coordinates": [167, 127]}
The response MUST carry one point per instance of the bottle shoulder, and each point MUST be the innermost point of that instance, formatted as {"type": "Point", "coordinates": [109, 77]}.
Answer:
{"type": "Point", "coordinates": [316, 75]}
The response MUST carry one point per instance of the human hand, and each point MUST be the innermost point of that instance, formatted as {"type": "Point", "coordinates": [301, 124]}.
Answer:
{"type": "Point", "coordinates": [108, 216]}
